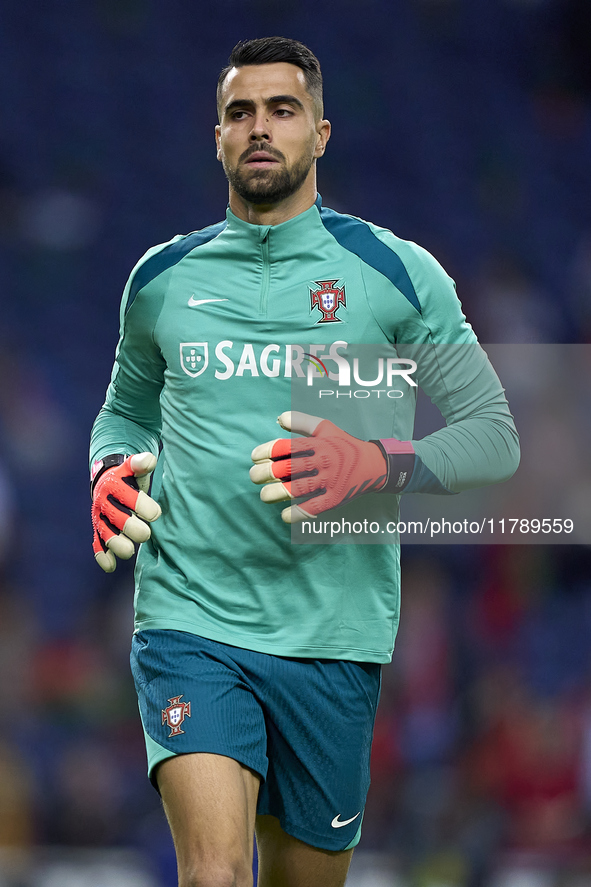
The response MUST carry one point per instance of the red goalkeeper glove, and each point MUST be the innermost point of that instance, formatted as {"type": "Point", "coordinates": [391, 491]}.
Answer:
{"type": "Point", "coordinates": [120, 508]}
{"type": "Point", "coordinates": [329, 467]}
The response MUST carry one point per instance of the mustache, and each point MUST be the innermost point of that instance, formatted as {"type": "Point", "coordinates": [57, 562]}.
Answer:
{"type": "Point", "coordinates": [254, 149]}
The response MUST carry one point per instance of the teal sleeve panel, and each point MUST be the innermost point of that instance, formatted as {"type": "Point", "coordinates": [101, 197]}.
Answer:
{"type": "Point", "coordinates": [359, 238]}
{"type": "Point", "coordinates": [424, 481]}
{"type": "Point", "coordinates": [155, 263]}
{"type": "Point", "coordinates": [130, 419]}
{"type": "Point", "coordinates": [112, 433]}
{"type": "Point", "coordinates": [480, 444]}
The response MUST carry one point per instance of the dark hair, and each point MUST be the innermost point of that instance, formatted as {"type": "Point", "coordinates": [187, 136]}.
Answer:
{"type": "Point", "coordinates": [267, 51]}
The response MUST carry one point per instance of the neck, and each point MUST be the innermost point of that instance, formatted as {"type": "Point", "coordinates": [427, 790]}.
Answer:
{"type": "Point", "coordinates": [274, 213]}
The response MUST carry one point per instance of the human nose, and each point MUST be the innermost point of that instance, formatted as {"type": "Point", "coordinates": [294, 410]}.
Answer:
{"type": "Point", "coordinates": [260, 128]}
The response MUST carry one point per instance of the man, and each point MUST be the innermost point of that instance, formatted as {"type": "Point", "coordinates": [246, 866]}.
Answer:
{"type": "Point", "coordinates": [257, 661]}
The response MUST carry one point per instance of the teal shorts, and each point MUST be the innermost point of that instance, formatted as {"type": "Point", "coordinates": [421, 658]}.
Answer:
{"type": "Point", "coordinates": [304, 725]}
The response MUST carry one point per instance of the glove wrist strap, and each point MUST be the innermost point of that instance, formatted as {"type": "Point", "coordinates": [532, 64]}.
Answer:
{"type": "Point", "coordinates": [400, 458]}
{"type": "Point", "coordinates": [99, 466]}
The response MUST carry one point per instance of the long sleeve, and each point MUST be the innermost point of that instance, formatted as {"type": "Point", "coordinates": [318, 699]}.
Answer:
{"type": "Point", "coordinates": [130, 419]}
{"type": "Point", "coordinates": [479, 444]}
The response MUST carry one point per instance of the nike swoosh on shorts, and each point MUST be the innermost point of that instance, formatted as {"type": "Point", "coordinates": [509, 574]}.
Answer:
{"type": "Point", "coordinates": [336, 823]}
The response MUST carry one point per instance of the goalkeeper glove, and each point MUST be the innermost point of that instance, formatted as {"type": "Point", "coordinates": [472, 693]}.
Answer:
{"type": "Point", "coordinates": [329, 467]}
{"type": "Point", "coordinates": [121, 506]}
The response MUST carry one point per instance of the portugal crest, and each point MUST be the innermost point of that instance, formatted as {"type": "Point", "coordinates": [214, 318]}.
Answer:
{"type": "Point", "coordinates": [194, 357]}
{"type": "Point", "coordinates": [327, 297]}
{"type": "Point", "coordinates": [175, 714]}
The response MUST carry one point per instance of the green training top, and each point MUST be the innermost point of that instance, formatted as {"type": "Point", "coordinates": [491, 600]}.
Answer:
{"type": "Point", "coordinates": [209, 326]}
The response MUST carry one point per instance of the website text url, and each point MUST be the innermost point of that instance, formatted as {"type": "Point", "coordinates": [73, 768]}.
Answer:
{"type": "Point", "coordinates": [431, 528]}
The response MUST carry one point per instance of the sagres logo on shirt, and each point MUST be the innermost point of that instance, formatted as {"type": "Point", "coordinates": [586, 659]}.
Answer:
{"type": "Point", "coordinates": [311, 362]}
{"type": "Point", "coordinates": [247, 359]}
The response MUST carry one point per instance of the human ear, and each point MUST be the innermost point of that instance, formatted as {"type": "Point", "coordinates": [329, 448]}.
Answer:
{"type": "Point", "coordinates": [218, 141]}
{"type": "Point", "coordinates": [323, 130]}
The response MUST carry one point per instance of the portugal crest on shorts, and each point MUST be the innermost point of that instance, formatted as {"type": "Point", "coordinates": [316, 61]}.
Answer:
{"type": "Point", "coordinates": [175, 714]}
{"type": "Point", "coordinates": [327, 297]}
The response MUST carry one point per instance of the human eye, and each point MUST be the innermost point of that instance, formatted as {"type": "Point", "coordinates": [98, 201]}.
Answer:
{"type": "Point", "coordinates": [238, 114]}
{"type": "Point", "coordinates": [284, 112]}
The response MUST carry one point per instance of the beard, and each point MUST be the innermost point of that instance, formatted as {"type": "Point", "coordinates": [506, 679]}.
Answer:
{"type": "Point", "coordinates": [258, 186]}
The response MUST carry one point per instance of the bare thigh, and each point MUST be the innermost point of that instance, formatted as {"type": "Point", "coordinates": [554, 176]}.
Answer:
{"type": "Point", "coordinates": [286, 862]}
{"type": "Point", "coordinates": [210, 802]}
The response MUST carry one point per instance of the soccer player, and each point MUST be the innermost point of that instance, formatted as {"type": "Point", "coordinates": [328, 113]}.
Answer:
{"type": "Point", "coordinates": [257, 661]}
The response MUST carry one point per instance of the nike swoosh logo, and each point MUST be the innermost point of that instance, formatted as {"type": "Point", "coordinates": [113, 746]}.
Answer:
{"type": "Point", "coordinates": [336, 823]}
{"type": "Point", "coordinates": [192, 302]}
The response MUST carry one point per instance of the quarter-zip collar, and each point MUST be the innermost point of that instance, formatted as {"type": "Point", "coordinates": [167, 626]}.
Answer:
{"type": "Point", "coordinates": [279, 237]}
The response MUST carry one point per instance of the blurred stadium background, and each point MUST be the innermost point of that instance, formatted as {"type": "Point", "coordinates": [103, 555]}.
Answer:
{"type": "Point", "coordinates": [462, 124]}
